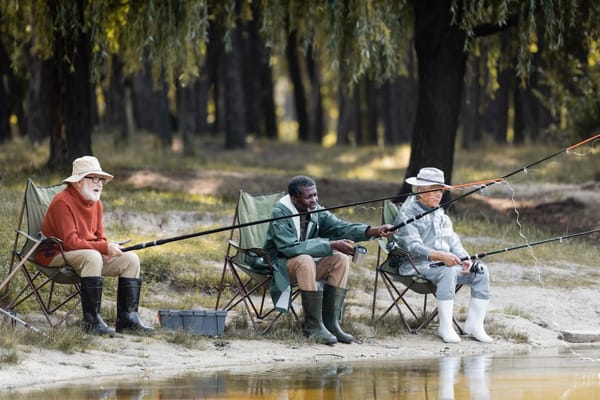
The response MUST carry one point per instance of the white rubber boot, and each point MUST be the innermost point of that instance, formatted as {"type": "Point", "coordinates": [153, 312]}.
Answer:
{"type": "Point", "coordinates": [474, 323]}
{"type": "Point", "coordinates": [446, 330]}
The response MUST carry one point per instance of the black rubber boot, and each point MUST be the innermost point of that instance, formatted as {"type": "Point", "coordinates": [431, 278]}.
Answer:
{"type": "Point", "coordinates": [333, 301]}
{"type": "Point", "coordinates": [91, 299]}
{"type": "Point", "coordinates": [312, 304]}
{"type": "Point", "coordinates": [128, 298]}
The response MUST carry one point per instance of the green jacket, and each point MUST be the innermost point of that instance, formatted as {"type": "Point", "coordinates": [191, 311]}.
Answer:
{"type": "Point", "coordinates": [283, 242]}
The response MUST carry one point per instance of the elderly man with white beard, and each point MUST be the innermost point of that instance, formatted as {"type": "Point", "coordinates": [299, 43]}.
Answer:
{"type": "Point", "coordinates": [75, 216]}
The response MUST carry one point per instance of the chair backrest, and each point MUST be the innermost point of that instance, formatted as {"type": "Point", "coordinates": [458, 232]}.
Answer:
{"type": "Point", "coordinates": [390, 212]}
{"type": "Point", "coordinates": [255, 208]}
{"type": "Point", "coordinates": [37, 200]}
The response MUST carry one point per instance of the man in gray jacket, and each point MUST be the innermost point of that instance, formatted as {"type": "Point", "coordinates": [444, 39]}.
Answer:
{"type": "Point", "coordinates": [311, 247]}
{"type": "Point", "coordinates": [430, 239]}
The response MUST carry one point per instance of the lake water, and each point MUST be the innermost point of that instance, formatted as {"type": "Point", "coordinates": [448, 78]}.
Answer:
{"type": "Point", "coordinates": [568, 374]}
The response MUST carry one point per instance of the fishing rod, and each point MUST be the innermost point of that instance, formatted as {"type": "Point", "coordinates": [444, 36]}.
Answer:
{"type": "Point", "coordinates": [242, 225]}
{"type": "Point", "coordinates": [488, 253]}
{"type": "Point", "coordinates": [159, 242]}
{"type": "Point", "coordinates": [490, 182]}
{"type": "Point", "coordinates": [257, 222]}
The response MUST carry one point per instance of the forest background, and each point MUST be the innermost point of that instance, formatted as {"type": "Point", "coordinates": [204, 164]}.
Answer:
{"type": "Point", "coordinates": [334, 73]}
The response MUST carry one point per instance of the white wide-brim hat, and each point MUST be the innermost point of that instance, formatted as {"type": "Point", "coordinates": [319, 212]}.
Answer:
{"type": "Point", "coordinates": [84, 166]}
{"type": "Point", "coordinates": [428, 176]}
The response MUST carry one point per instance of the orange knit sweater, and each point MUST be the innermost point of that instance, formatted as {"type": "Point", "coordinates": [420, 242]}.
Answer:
{"type": "Point", "coordinates": [74, 220]}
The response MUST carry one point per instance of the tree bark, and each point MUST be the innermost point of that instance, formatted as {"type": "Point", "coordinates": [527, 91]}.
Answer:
{"type": "Point", "coordinates": [441, 66]}
{"type": "Point", "coordinates": [470, 119]}
{"type": "Point", "coordinates": [151, 108]}
{"type": "Point", "coordinates": [5, 134]}
{"type": "Point", "coordinates": [42, 98]}
{"type": "Point", "coordinates": [371, 114]}
{"type": "Point", "coordinates": [298, 87]}
{"type": "Point", "coordinates": [115, 117]}
{"type": "Point", "coordinates": [187, 107]}
{"type": "Point", "coordinates": [316, 117]}
{"type": "Point", "coordinates": [72, 137]}
{"type": "Point", "coordinates": [235, 118]}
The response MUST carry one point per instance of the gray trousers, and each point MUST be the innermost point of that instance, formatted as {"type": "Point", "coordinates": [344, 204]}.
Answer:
{"type": "Point", "coordinates": [446, 278]}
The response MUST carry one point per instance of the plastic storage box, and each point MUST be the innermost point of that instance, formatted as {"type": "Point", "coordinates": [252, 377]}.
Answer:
{"type": "Point", "coordinates": [201, 322]}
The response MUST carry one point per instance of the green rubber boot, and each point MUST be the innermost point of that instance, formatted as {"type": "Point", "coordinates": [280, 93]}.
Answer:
{"type": "Point", "coordinates": [312, 304]}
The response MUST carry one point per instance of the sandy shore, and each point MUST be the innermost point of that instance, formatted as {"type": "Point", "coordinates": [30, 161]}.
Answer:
{"type": "Point", "coordinates": [529, 300]}
{"type": "Point", "coordinates": [543, 312]}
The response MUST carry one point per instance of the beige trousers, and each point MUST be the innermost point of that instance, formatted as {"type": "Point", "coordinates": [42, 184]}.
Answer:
{"type": "Point", "coordinates": [91, 263]}
{"type": "Point", "coordinates": [305, 271]}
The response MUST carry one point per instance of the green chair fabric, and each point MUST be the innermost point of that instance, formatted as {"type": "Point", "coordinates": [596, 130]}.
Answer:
{"type": "Point", "coordinates": [41, 282]}
{"type": "Point", "coordinates": [247, 262]}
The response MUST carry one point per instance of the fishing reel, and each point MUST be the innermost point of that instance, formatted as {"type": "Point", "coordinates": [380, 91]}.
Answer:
{"type": "Point", "coordinates": [476, 268]}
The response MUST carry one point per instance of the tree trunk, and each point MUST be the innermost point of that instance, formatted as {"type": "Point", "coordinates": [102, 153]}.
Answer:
{"type": "Point", "coordinates": [151, 108]}
{"type": "Point", "coordinates": [42, 98]}
{"type": "Point", "coordinates": [115, 117]}
{"type": "Point", "coordinates": [371, 114]}
{"type": "Point", "coordinates": [298, 87]}
{"type": "Point", "coordinates": [15, 91]}
{"type": "Point", "coordinates": [72, 137]}
{"type": "Point", "coordinates": [349, 121]}
{"type": "Point", "coordinates": [316, 117]}
{"type": "Point", "coordinates": [5, 134]}
{"type": "Point", "coordinates": [496, 112]}
{"type": "Point", "coordinates": [235, 118]}
{"type": "Point", "coordinates": [469, 116]}
{"type": "Point", "coordinates": [400, 104]}
{"type": "Point", "coordinates": [187, 107]}
{"type": "Point", "coordinates": [439, 48]}
{"type": "Point", "coordinates": [211, 71]}
{"type": "Point", "coordinates": [271, 130]}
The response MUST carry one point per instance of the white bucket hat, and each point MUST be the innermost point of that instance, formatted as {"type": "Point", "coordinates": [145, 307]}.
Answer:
{"type": "Point", "coordinates": [84, 166]}
{"type": "Point", "coordinates": [428, 176]}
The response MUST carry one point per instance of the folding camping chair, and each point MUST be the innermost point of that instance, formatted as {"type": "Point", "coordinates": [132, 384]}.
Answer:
{"type": "Point", "coordinates": [48, 285]}
{"type": "Point", "coordinates": [388, 271]}
{"type": "Point", "coordinates": [248, 263]}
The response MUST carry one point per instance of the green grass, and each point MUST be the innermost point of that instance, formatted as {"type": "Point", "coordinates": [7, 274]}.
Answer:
{"type": "Point", "coordinates": [185, 274]}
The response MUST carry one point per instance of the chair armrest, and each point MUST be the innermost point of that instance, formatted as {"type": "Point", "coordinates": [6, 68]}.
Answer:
{"type": "Point", "coordinates": [233, 243]}
{"type": "Point", "coordinates": [28, 236]}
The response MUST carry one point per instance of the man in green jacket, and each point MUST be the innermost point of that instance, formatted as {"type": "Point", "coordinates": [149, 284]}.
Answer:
{"type": "Point", "coordinates": [313, 247]}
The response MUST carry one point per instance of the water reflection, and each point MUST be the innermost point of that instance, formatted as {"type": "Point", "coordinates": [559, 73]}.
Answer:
{"type": "Point", "coordinates": [475, 370]}
{"type": "Point", "coordinates": [549, 375]}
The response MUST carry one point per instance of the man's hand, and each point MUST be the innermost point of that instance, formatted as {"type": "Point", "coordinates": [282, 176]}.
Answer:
{"type": "Point", "coordinates": [466, 267]}
{"type": "Point", "coordinates": [114, 250]}
{"type": "Point", "coordinates": [379, 231]}
{"type": "Point", "coordinates": [448, 259]}
{"type": "Point", "coordinates": [345, 246]}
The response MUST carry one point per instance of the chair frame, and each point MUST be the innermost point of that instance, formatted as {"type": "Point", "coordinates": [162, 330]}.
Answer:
{"type": "Point", "coordinates": [412, 283]}
{"type": "Point", "coordinates": [247, 281]}
{"type": "Point", "coordinates": [38, 277]}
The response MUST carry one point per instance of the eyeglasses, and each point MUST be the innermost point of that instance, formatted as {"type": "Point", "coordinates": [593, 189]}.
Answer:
{"type": "Point", "coordinates": [96, 179]}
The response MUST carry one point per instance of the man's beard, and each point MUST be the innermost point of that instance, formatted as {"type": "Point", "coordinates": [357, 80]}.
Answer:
{"type": "Point", "coordinates": [89, 194]}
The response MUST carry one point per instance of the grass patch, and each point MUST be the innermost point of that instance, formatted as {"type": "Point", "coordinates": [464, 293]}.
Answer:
{"type": "Point", "coordinates": [186, 274]}
{"type": "Point", "coordinates": [512, 310]}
